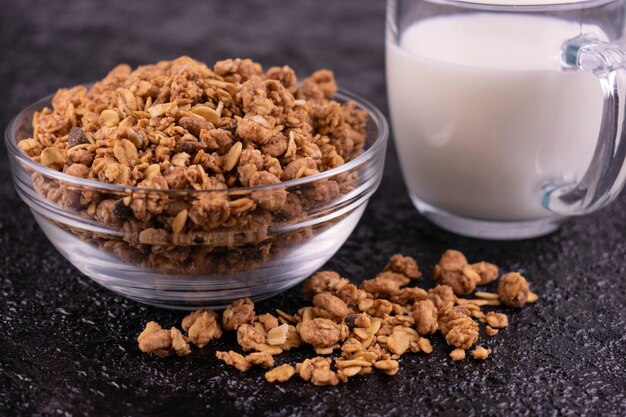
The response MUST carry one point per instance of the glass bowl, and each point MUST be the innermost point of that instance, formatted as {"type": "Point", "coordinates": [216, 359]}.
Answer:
{"type": "Point", "coordinates": [242, 251]}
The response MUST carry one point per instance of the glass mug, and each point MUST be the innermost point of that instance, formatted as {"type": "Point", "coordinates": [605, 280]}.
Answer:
{"type": "Point", "coordinates": [507, 115]}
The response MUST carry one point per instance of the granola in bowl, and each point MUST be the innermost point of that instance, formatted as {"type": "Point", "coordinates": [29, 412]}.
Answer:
{"type": "Point", "coordinates": [187, 170]}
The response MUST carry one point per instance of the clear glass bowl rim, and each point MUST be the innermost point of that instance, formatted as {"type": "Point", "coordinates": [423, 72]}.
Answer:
{"type": "Point", "coordinates": [370, 153]}
{"type": "Point", "coordinates": [523, 5]}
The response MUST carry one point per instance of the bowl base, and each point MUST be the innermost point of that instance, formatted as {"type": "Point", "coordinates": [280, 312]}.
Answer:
{"type": "Point", "coordinates": [287, 268]}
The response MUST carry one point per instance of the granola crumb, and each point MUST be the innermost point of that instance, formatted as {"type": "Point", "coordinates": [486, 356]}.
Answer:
{"type": "Point", "coordinates": [323, 281]}
{"type": "Point", "coordinates": [441, 295]}
{"type": "Point", "coordinates": [424, 345]}
{"type": "Point", "coordinates": [318, 371]}
{"type": "Point", "coordinates": [202, 327]}
{"type": "Point", "coordinates": [453, 270]}
{"type": "Point", "coordinates": [235, 359]}
{"type": "Point", "coordinates": [281, 373]}
{"type": "Point", "coordinates": [488, 272]}
{"type": "Point", "coordinates": [263, 359]}
{"type": "Point", "coordinates": [388, 366]}
{"type": "Point", "coordinates": [480, 353]}
{"type": "Point", "coordinates": [330, 306]}
{"type": "Point", "coordinates": [180, 343]}
{"type": "Point", "coordinates": [497, 320]}
{"type": "Point", "coordinates": [321, 332]}
{"type": "Point", "coordinates": [491, 331]}
{"type": "Point", "coordinates": [404, 265]}
{"type": "Point", "coordinates": [457, 354]}
{"type": "Point", "coordinates": [425, 316]}
{"type": "Point", "coordinates": [238, 313]}
{"type": "Point", "coordinates": [154, 339]}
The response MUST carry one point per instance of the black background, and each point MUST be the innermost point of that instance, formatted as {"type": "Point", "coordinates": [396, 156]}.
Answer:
{"type": "Point", "coordinates": [67, 346]}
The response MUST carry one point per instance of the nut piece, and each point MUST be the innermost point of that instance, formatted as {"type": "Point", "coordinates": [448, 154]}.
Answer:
{"type": "Point", "coordinates": [497, 320]}
{"type": "Point", "coordinates": [480, 353]}
{"type": "Point", "coordinates": [425, 316]}
{"type": "Point", "coordinates": [453, 270]}
{"type": "Point", "coordinates": [330, 307]}
{"type": "Point", "coordinates": [398, 342]}
{"type": "Point", "coordinates": [322, 332]}
{"type": "Point", "coordinates": [207, 113]}
{"type": "Point", "coordinates": [52, 158]}
{"type": "Point", "coordinates": [178, 224]}
{"type": "Point", "coordinates": [232, 157]}
{"type": "Point", "coordinates": [238, 313]}
{"type": "Point", "coordinates": [424, 345]}
{"type": "Point", "coordinates": [156, 340]}
{"type": "Point", "coordinates": [513, 289]}
{"type": "Point", "coordinates": [457, 355]}
{"type": "Point", "coordinates": [280, 373]}
{"type": "Point", "coordinates": [488, 272]}
{"type": "Point", "coordinates": [403, 265]}
{"type": "Point", "coordinates": [202, 327]}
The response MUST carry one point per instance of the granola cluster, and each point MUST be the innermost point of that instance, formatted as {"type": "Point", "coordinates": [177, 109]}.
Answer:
{"type": "Point", "coordinates": [354, 329]}
{"type": "Point", "coordinates": [180, 125]}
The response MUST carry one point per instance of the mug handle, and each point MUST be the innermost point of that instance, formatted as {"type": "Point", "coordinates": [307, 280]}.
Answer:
{"type": "Point", "coordinates": [606, 174]}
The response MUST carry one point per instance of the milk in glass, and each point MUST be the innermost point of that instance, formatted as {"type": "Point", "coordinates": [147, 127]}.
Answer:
{"type": "Point", "coordinates": [483, 115]}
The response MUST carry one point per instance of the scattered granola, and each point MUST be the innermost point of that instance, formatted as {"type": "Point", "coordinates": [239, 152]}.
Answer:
{"type": "Point", "coordinates": [180, 125]}
{"type": "Point", "coordinates": [353, 330]}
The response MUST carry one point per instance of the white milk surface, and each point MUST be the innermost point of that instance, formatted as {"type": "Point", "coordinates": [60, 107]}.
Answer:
{"type": "Point", "coordinates": [483, 115]}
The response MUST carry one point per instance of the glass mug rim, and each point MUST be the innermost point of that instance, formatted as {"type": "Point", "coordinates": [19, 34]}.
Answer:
{"type": "Point", "coordinates": [522, 5]}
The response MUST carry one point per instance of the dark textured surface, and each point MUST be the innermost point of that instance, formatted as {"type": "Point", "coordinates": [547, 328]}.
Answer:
{"type": "Point", "coordinates": [67, 346]}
